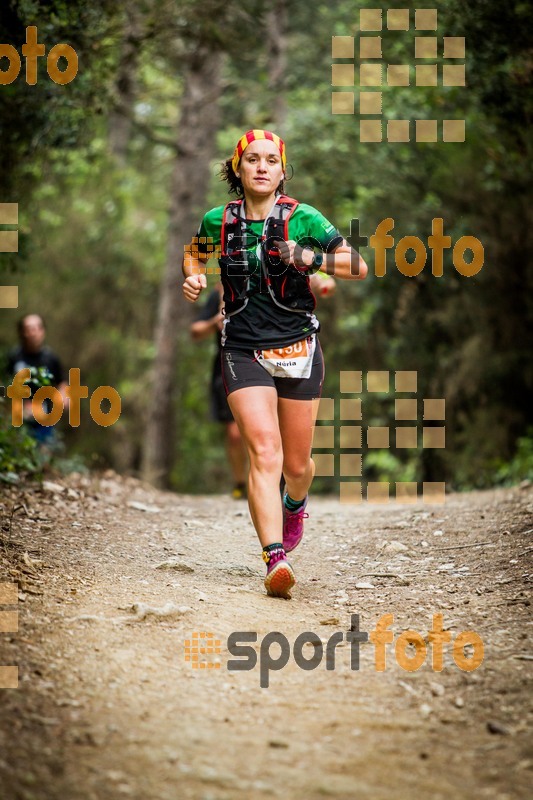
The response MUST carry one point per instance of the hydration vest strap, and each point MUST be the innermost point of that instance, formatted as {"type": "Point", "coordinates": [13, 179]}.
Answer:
{"type": "Point", "coordinates": [230, 216]}
{"type": "Point", "coordinates": [293, 203]}
{"type": "Point", "coordinates": [233, 209]}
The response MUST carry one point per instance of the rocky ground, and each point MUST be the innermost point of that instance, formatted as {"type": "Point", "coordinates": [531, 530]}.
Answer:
{"type": "Point", "coordinates": [114, 578]}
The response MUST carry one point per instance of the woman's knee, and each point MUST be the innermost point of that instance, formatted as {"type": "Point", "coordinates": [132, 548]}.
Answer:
{"type": "Point", "coordinates": [265, 453]}
{"type": "Point", "coordinates": [295, 470]}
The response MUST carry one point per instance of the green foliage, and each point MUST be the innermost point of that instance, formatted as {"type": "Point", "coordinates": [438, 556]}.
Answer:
{"type": "Point", "coordinates": [382, 465]}
{"type": "Point", "coordinates": [36, 120]}
{"type": "Point", "coordinates": [201, 459]}
{"type": "Point", "coordinates": [93, 231]}
{"type": "Point", "coordinates": [19, 453]}
{"type": "Point", "coordinates": [70, 463]}
{"type": "Point", "coordinates": [520, 467]}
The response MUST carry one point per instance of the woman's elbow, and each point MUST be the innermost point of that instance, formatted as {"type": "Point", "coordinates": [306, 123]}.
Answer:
{"type": "Point", "coordinates": [358, 269]}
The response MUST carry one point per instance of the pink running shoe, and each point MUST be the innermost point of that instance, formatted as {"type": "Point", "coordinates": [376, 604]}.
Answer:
{"type": "Point", "coordinates": [293, 526]}
{"type": "Point", "coordinates": [280, 576]}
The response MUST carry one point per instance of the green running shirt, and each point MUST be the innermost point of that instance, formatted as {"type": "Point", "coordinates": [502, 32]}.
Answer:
{"type": "Point", "coordinates": [262, 324]}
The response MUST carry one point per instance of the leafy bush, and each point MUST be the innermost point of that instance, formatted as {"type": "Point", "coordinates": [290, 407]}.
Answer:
{"type": "Point", "coordinates": [18, 451]}
{"type": "Point", "coordinates": [521, 466]}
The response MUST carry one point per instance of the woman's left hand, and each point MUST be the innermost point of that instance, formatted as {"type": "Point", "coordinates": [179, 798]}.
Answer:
{"type": "Point", "coordinates": [321, 284]}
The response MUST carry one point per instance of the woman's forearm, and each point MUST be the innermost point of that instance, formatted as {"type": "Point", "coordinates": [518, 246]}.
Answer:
{"type": "Point", "coordinates": [345, 263]}
{"type": "Point", "coordinates": [192, 265]}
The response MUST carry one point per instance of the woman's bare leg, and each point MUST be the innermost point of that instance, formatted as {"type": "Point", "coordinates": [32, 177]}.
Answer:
{"type": "Point", "coordinates": [296, 424]}
{"type": "Point", "coordinates": [255, 409]}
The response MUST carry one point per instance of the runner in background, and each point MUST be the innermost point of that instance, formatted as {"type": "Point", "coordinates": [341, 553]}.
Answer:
{"type": "Point", "coordinates": [272, 362]}
{"type": "Point", "coordinates": [209, 323]}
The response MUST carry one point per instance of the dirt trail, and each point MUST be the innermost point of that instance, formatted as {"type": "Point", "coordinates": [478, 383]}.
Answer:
{"type": "Point", "coordinates": [108, 707]}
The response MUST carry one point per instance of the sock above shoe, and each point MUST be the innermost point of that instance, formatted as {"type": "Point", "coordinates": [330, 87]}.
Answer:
{"type": "Point", "coordinates": [273, 552]}
{"type": "Point", "coordinates": [280, 578]}
{"type": "Point", "coordinates": [292, 505]}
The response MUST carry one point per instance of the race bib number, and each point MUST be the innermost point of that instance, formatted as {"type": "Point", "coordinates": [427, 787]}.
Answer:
{"type": "Point", "coordinates": [293, 361]}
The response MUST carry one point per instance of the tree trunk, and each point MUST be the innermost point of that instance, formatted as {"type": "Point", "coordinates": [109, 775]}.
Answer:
{"type": "Point", "coordinates": [277, 20]}
{"type": "Point", "coordinates": [196, 145]}
{"type": "Point", "coordinates": [121, 117]}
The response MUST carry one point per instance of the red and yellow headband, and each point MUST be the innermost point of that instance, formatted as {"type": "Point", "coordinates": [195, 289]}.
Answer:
{"type": "Point", "coordinates": [250, 137]}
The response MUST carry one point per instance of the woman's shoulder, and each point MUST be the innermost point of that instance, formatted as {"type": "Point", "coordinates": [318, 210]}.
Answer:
{"type": "Point", "coordinates": [305, 209]}
{"type": "Point", "coordinates": [309, 215]}
{"type": "Point", "coordinates": [212, 222]}
{"type": "Point", "coordinates": [214, 215]}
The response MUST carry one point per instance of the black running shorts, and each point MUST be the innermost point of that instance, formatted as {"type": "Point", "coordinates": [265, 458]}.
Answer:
{"type": "Point", "coordinates": [240, 369]}
{"type": "Point", "coordinates": [220, 411]}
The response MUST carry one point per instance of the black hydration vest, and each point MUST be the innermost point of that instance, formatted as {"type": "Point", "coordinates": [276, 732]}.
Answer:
{"type": "Point", "coordinates": [288, 287]}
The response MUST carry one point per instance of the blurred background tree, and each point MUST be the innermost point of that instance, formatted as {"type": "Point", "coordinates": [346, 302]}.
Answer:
{"type": "Point", "coordinates": [113, 172]}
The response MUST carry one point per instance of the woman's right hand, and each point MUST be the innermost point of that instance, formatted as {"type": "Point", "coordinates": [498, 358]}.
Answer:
{"type": "Point", "coordinates": [193, 286]}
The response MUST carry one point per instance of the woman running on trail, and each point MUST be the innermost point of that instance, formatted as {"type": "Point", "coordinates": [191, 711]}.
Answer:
{"type": "Point", "coordinates": [272, 361]}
